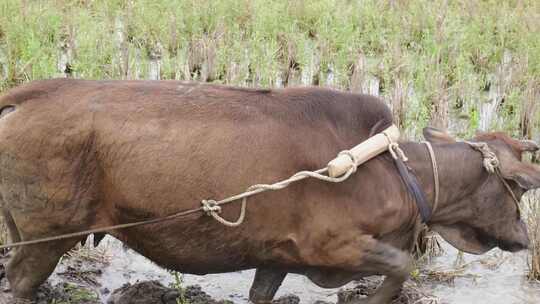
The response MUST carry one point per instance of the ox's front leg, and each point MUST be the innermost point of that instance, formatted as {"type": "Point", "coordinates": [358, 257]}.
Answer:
{"type": "Point", "coordinates": [266, 284]}
{"type": "Point", "coordinates": [386, 260]}
{"type": "Point", "coordinates": [349, 254]}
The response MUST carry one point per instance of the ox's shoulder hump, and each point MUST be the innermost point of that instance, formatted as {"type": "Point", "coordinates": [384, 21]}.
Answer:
{"type": "Point", "coordinates": [332, 99]}
{"type": "Point", "coordinates": [247, 90]}
{"type": "Point", "coordinates": [328, 94]}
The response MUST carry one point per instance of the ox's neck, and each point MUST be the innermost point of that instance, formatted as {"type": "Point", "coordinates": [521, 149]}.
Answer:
{"type": "Point", "coordinates": [460, 173]}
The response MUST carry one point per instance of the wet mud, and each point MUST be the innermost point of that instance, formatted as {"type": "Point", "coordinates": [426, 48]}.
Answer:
{"type": "Point", "coordinates": [155, 292]}
{"type": "Point", "coordinates": [113, 274]}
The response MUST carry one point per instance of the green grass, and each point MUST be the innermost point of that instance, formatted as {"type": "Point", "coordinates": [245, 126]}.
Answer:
{"type": "Point", "coordinates": [178, 284]}
{"type": "Point", "coordinates": [437, 51]}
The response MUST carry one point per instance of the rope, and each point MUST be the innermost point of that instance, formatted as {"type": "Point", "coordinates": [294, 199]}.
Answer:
{"type": "Point", "coordinates": [210, 207]}
{"type": "Point", "coordinates": [103, 229]}
{"type": "Point", "coordinates": [213, 208]}
{"type": "Point", "coordinates": [507, 186]}
{"type": "Point", "coordinates": [435, 174]}
{"type": "Point", "coordinates": [396, 152]}
{"type": "Point", "coordinates": [394, 149]}
{"type": "Point", "coordinates": [491, 162]}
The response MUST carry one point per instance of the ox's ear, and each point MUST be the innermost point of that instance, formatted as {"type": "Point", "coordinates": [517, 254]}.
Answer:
{"type": "Point", "coordinates": [434, 135]}
{"type": "Point", "coordinates": [528, 146]}
{"type": "Point", "coordinates": [527, 176]}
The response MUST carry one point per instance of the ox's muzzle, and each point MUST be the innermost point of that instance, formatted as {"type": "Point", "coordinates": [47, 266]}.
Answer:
{"type": "Point", "coordinates": [518, 241]}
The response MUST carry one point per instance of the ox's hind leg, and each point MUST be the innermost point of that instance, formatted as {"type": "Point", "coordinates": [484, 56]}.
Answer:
{"type": "Point", "coordinates": [30, 266]}
{"type": "Point", "coordinates": [266, 284]}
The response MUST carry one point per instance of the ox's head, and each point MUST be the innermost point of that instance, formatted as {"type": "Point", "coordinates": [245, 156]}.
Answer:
{"type": "Point", "coordinates": [487, 216]}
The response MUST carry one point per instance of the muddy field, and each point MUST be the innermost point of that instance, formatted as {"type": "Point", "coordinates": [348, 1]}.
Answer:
{"type": "Point", "coordinates": [113, 274]}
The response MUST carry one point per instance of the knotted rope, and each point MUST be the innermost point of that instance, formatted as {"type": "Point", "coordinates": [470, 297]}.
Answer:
{"type": "Point", "coordinates": [490, 160]}
{"type": "Point", "coordinates": [394, 149]}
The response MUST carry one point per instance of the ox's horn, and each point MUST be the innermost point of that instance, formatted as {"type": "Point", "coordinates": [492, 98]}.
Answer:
{"type": "Point", "coordinates": [528, 145]}
{"type": "Point", "coordinates": [363, 152]}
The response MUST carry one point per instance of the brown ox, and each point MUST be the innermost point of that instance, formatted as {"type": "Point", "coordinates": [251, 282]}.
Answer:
{"type": "Point", "coordinates": [80, 154]}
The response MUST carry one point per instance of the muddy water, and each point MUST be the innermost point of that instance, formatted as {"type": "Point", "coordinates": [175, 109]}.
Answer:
{"type": "Point", "coordinates": [494, 278]}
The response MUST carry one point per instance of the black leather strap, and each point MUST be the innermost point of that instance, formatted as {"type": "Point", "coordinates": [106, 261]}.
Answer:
{"type": "Point", "coordinates": [411, 182]}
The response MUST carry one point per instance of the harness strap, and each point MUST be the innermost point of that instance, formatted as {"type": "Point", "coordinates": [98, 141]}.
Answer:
{"type": "Point", "coordinates": [411, 183]}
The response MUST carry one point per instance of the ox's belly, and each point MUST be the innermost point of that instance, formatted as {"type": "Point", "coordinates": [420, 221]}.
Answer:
{"type": "Point", "coordinates": [195, 248]}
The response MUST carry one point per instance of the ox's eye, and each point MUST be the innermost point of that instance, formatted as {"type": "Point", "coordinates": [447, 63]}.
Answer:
{"type": "Point", "coordinates": [6, 110]}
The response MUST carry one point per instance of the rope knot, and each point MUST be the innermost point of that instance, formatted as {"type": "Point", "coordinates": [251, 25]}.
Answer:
{"type": "Point", "coordinates": [491, 164]}
{"type": "Point", "coordinates": [396, 151]}
{"type": "Point", "coordinates": [210, 207]}
{"type": "Point", "coordinates": [490, 160]}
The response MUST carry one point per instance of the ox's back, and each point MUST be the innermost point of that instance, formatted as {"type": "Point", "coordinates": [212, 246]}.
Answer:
{"type": "Point", "coordinates": [204, 101]}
